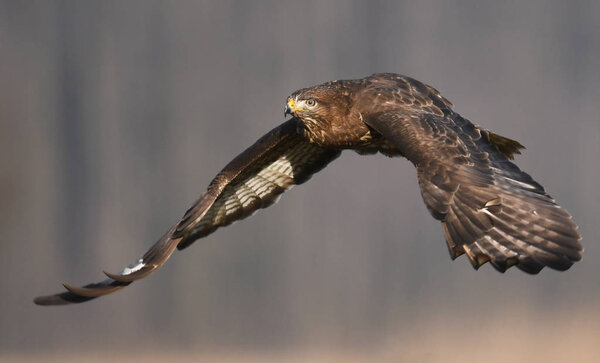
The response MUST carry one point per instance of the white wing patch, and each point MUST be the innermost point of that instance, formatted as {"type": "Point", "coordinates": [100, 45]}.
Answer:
{"type": "Point", "coordinates": [261, 183]}
{"type": "Point", "coordinates": [240, 199]}
{"type": "Point", "coordinates": [136, 266]}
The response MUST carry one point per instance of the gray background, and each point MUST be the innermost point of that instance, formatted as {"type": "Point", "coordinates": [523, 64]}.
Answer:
{"type": "Point", "coordinates": [115, 116]}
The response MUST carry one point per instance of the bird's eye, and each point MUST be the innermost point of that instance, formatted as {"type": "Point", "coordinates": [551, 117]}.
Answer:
{"type": "Point", "coordinates": [311, 102]}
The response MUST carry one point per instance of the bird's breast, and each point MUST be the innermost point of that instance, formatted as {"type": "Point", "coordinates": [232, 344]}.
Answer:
{"type": "Point", "coordinates": [342, 133]}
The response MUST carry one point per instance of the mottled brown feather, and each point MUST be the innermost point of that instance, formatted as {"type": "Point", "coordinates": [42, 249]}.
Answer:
{"type": "Point", "coordinates": [503, 144]}
{"type": "Point", "coordinates": [490, 210]}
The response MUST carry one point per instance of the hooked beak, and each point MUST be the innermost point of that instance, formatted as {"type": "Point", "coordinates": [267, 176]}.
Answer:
{"type": "Point", "coordinates": [290, 107]}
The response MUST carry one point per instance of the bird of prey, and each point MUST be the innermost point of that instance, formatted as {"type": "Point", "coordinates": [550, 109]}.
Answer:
{"type": "Point", "coordinates": [490, 210]}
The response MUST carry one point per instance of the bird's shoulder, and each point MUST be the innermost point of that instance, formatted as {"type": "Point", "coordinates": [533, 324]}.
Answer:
{"type": "Point", "coordinates": [382, 92]}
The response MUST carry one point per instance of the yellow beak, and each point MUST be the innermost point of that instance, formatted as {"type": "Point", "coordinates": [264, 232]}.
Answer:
{"type": "Point", "coordinates": [290, 107]}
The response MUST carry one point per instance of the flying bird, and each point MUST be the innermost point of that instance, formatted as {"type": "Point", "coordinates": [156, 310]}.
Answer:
{"type": "Point", "coordinates": [489, 209]}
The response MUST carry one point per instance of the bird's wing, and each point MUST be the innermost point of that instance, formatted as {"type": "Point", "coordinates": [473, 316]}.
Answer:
{"type": "Point", "coordinates": [253, 180]}
{"type": "Point", "coordinates": [490, 209]}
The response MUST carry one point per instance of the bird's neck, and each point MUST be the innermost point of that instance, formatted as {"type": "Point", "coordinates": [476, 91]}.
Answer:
{"type": "Point", "coordinates": [343, 132]}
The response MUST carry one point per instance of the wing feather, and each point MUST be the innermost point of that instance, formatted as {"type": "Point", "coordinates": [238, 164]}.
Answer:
{"type": "Point", "coordinates": [254, 179]}
{"type": "Point", "coordinates": [490, 209]}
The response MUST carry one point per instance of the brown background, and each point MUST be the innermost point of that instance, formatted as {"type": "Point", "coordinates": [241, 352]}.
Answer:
{"type": "Point", "coordinates": [114, 117]}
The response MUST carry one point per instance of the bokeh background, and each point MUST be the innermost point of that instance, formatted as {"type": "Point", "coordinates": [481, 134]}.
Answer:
{"type": "Point", "coordinates": [115, 116]}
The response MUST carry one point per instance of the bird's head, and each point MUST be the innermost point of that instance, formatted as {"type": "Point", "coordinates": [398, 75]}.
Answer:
{"type": "Point", "coordinates": [296, 106]}
{"type": "Point", "coordinates": [319, 106]}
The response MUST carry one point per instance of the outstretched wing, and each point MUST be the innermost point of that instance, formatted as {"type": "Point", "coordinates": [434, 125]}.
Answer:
{"type": "Point", "coordinates": [490, 209]}
{"type": "Point", "coordinates": [253, 180]}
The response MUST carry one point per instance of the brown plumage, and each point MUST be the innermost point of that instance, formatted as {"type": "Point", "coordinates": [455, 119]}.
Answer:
{"type": "Point", "coordinates": [490, 210]}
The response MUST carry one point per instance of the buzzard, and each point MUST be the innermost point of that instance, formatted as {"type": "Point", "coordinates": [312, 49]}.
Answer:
{"type": "Point", "coordinates": [490, 210]}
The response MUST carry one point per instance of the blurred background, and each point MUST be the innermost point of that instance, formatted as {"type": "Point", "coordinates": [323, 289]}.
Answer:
{"type": "Point", "coordinates": [115, 116]}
